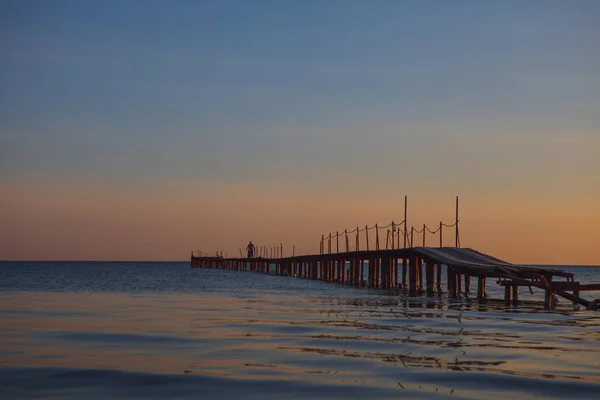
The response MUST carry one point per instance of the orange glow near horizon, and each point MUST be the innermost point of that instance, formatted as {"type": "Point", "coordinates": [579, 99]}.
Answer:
{"type": "Point", "coordinates": [166, 222]}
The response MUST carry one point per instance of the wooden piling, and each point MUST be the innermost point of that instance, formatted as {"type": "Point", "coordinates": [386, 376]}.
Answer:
{"type": "Point", "coordinates": [420, 272]}
{"type": "Point", "coordinates": [507, 295]}
{"type": "Point", "coordinates": [404, 272]}
{"type": "Point", "coordinates": [451, 281]}
{"type": "Point", "coordinates": [412, 277]}
{"type": "Point", "coordinates": [481, 288]}
{"type": "Point", "coordinates": [429, 275]}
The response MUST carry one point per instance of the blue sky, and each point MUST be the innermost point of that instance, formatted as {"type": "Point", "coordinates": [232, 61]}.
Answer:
{"type": "Point", "coordinates": [315, 94]}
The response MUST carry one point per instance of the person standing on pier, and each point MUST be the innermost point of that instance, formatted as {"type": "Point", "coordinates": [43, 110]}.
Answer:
{"type": "Point", "coordinates": [250, 249]}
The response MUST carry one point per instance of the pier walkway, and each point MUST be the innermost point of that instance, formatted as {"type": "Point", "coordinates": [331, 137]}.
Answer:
{"type": "Point", "coordinates": [415, 268]}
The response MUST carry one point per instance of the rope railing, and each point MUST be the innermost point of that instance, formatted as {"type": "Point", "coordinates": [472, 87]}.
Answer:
{"type": "Point", "coordinates": [392, 236]}
{"type": "Point", "coordinates": [392, 239]}
{"type": "Point", "coordinates": [432, 232]}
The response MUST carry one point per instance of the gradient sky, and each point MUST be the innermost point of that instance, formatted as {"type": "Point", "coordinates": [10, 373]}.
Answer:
{"type": "Point", "coordinates": [140, 130]}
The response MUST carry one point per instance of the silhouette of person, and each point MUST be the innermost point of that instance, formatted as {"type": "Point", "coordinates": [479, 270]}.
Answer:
{"type": "Point", "coordinates": [250, 249]}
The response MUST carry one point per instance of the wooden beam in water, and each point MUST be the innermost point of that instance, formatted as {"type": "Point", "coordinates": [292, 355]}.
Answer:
{"type": "Point", "coordinates": [429, 275]}
{"type": "Point", "coordinates": [481, 288]}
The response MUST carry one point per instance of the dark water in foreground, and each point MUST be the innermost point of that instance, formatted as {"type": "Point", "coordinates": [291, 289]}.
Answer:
{"type": "Point", "coordinates": [163, 330]}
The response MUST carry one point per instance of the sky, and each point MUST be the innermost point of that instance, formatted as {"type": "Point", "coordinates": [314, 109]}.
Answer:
{"type": "Point", "coordinates": [143, 130]}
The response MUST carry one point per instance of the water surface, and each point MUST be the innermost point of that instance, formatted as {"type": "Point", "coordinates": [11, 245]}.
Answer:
{"type": "Point", "coordinates": [155, 330]}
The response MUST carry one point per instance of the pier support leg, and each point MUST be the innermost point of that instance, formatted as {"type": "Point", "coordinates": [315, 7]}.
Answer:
{"type": "Point", "coordinates": [429, 275]}
{"type": "Point", "coordinates": [507, 295]}
{"type": "Point", "coordinates": [548, 299]}
{"type": "Point", "coordinates": [451, 272]}
{"type": "Point", "coordinates": [515, 294]}
{"type": "Point", "coordinates": [362, 271]}
{"type": "Point", "coordinates": [467, 283]}
{"type": "Point", "coordinates": [439, 277]}
{"type": "Point", "coordinates": [412, 276]}
{"type": "Point", "coordinates": [420, 272]}
{"type": "Point", "coordinates": [383, 273]}
{"type": "Point", "coordinates": [481, 288]}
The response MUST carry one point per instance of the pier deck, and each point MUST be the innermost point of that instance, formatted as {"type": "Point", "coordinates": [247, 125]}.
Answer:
{"type": "Point", "coordinates": [415, 268]}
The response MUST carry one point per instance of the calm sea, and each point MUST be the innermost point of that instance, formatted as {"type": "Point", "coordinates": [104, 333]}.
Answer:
{"type": "Point", "coordinates": [164, 330]}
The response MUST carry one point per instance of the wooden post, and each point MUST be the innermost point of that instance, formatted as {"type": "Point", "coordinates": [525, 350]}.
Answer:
{"type": "Point", "coordinates": [481, 288]}
{"type": "Point", "coordinates": [457, 239]}
{"type": "Point", "coordinates": [467, 283]}
{"type": "Point", "coordinates": [385, 266]}
{"type": "Point", "coordinates": [367, 235]}
{"type": "Point", "coordinates": [451, 278]}
{"type": "Point", "coordinates": [515, 294]}
{"type": "Point", "coordinates": [376, 272]}
{"type": "Point", "coordinates": [429, 268]}
{"type": "Point", "coordinates": [507, 294]}
{"type": "Point", "coordinates": [337, 241]}
{"type": "Point", "coordinates": [548, 300]}
{"type": "Point", "coordinates": [362, 271]}
{"type": "Point", "coordinates": [439, 277]}
{"type": "Point", "coordinates": [329, 244]}
{"type": "Point", "coordinates": [420, 272]}
{"type": "Point", "coordinates": [405, 209]}
{"type": "Point", "coordinates": [424, 227]}
{"type": "Point", "coordinates": [346, 235]}
{"type": "Point", "coordinates": [376, 237]}
{"type": "Point", "coordinates": [357, 236]}
{"type": "Point", "coordinates": [412, 278]}
{"type": "Point", "coordinates": [331, 270]}
{"type": "Point", "coordinates": [441, 240]}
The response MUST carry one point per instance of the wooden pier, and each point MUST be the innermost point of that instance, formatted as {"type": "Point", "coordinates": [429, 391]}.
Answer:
{"type": "Point", "coordinates": [416, 269]}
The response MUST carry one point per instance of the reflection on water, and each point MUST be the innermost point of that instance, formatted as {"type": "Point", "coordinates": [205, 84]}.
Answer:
{"type": "Point", "coordinates": [219, 334]}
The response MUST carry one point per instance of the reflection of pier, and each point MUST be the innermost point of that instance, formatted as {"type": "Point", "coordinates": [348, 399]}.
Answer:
{"type": "Point", "coordinates": [411, 268]}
